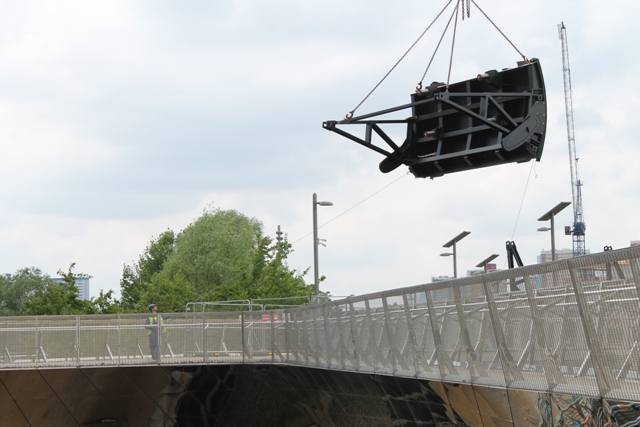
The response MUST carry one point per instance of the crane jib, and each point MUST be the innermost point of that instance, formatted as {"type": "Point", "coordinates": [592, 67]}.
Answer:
{"type": "Point", "coordinates": [578, 229]}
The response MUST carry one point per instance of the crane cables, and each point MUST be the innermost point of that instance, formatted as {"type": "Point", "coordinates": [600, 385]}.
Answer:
{"type": "Point", "coordinates": [459, 4]}
{"type": "Point", "coordinates": [350, 114]}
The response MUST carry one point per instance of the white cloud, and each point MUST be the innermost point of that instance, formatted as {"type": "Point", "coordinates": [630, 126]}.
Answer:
{"type": "Point", "coordinates": [37, 146]}
{"type": "Point", "coordinates": [120, 120]}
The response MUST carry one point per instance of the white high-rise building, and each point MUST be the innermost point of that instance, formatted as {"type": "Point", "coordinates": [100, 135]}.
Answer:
{"type": "Point", "coordinates": [82, 283]}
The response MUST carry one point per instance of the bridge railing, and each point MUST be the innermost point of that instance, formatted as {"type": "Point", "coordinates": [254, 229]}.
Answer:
{"type": "Point", "coordinates": [570, 326]}
{"type": "Point", "coordinates": [201, 337]}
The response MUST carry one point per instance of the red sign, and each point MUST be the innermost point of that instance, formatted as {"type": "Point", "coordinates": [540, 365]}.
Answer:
{"type": "Point", "coordinates": [267, 317]}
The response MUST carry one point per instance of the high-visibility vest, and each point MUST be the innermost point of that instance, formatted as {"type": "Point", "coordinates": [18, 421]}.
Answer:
{"type": "Point", "coordinates": [152, 320]}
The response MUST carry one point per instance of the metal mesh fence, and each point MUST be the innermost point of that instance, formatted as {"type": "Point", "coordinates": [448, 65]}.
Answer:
{"type": "Point", "coordinates": [570, 326]}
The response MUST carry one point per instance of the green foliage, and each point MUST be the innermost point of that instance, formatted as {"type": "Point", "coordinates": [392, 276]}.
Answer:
{"type": "Point", "coordinates": [29, 292]}
{"type": "Point", "coordinates": [272, 278]}
{"type": "Point", "coordinates": [167, 293]}
{"type": "Point", "coordinates": [215, 249]}
{"type": "Point", "coordinates": [223, 255]}
{"type": "Point", "coordinates": [137, 278]}
{"type": "Point", "coordinates": [105, 303]}
{"type": "Point", "coordinates": [15, 289]}
{"type": "Point", "coordinates": [58, 297]}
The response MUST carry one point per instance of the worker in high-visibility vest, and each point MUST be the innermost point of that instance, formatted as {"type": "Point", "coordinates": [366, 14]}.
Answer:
{"type": "Point", "coordinates": [153, 324]}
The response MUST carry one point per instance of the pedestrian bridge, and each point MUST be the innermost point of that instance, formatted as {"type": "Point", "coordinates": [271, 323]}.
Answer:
{"type": "Point", "coordinates": [544, 345]}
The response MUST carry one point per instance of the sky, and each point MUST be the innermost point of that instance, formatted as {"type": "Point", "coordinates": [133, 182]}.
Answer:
{"type": "Point", "coordinates": [122, 119]}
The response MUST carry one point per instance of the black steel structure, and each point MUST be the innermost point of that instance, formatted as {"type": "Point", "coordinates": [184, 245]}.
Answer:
{"type": "Point", "coordinates": [498, 117]}
{"type": "Point", "coordinates": [513, 255]}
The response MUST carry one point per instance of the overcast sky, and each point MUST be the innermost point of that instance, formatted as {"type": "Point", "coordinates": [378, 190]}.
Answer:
{"type": "Point", "coordinates": [120, 119]}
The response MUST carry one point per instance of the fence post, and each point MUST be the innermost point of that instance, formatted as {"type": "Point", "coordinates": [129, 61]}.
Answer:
{"type": "Point", "coordinates": [204, 347]}
{"type": "Point", "coordinates": [510, 371]}
{"type": "Point", "coordinates": [245, 347]}
{"type": "Point", "coordinates": [604, 379]}
{"type": "Point", "coordinates": [119, 328]}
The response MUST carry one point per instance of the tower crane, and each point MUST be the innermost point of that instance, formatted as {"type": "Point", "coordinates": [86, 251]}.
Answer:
{"type": "Point", "coordinates": [577, 230]}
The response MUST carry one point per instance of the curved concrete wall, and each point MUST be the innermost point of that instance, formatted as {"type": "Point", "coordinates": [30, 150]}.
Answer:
{"type": "Point", "coordinates": [274, 395]}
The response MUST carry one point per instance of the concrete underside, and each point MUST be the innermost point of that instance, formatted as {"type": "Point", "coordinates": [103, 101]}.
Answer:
{"type": "Point", "coordinates": [272, 395]}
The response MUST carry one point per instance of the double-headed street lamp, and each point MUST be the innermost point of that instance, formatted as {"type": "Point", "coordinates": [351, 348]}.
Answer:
{"type": "Point", "coordinates": [316, 241]}
{"type": "Point", "coordinates": [549, 217]}
{"type": "Point", "coordinates": [451, 243]}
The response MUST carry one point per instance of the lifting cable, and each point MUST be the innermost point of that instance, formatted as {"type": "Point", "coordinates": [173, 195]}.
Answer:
{"type": "Point", "coordinates": [500, 31]}
{"type": "Point", "coordinates": [350, 114]}
{"type": "Point", "coordinates": [524, 194]}
{"type": "Point", "coordinates": [453, 43]}
{"type": "Point", "coordinates": [355, 206]}
{"type": "Point", "coordinates": [453, 39]}
{"type": "Point", "coordinates": [419, 86]}
{"type": "Point", "coordinates": [455, 12]}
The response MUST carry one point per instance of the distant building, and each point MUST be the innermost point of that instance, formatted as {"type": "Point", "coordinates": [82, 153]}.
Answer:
{"type": "Point", "coordinates": [82, 283]}
{"type": "Point", "coordinates": [545, 256]}
{"type": "Point", "coordinates": [445, 294]}
{"type": "Point", "coordinates": [490, 268]}
{"type": "Point", "coordinates": [549, 280]}
{"type": "Point", "coordinates": [635, 243]}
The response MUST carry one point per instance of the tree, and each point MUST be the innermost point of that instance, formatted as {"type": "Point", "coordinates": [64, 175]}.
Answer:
{"type": "Point", "coordinates": [223, 255]}
{"type": "Point", "coordinates": [14, 290]}
{"type": "Point", "coordinates": [58, 297]}
{"type": "Point", "coordinates": [30, 292]}
{"type": "Point", "coordinates": [104, 304]}
{"type": "Point", "coordinates": [168, 293]}
{"type": "Point", "coordinates": [213, 253]}
{"type": "Point", "coordinates": [216, 249]}
{"type": "Point", "coordinates": [274, 278]}
{"type": "Point", "coordinates": [137, 278]}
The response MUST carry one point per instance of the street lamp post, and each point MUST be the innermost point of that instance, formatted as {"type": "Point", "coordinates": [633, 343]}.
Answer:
{"type": "Point", "coordinates": [549, 216]}
{"type": "Point", "coordinates": [484, 263]}
{"type": "Point", "coordinates": [316, 242]}
{"type": "Point", "coordinates": [455, 273]}
{"type": "Point", "coordinates": [452, 243]}
{"type": "Point", "coordinates": [553, 243]}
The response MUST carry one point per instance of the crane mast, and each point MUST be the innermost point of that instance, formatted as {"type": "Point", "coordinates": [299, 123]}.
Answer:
{"type": "Point", "coordinates": [577, 230]}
